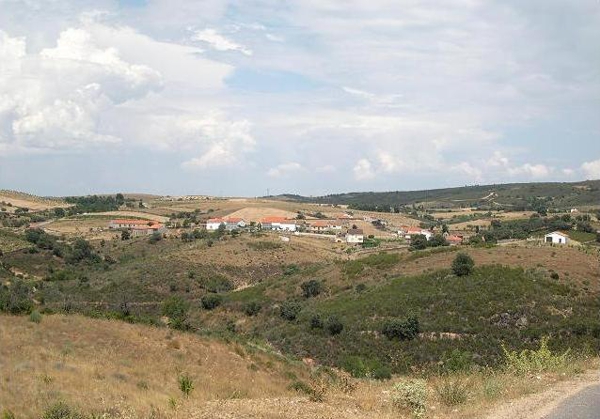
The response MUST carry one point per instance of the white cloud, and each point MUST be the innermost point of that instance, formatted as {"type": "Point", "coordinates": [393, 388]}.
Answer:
{"type": "Point", "coordinates": [363, 170]}
{"type": "Point", "coordinates": [219, 42]}
{"type": "Point", "coordinates": [591, 169]}
{"type": "Point", "coordinates": [285, 169]}
{"type": "Point", "coordinates": [328, 168]}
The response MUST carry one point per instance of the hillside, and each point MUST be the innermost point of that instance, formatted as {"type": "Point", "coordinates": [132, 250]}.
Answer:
{"type": "Point", "coordinates": [515, 195]}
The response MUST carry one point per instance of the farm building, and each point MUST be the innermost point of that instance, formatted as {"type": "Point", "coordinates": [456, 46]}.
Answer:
{"type": "Point", "coordinates": [453, 240]}
{"type": "Point", "coordinates": [231, 223]}
{"type": "Point", "coordinates": [127, 223]}
{"type": "Point", "coordinates": [320, 226]}
{"type": "Point", "coordinates": [278, 224]}
{"type": "Point", "coordinates": [355, 235]}
{"type": "Point", "coordinates": [408, 232]}
{"type": "Point", "coordinates": [556, 237]}
{"type": "Point", "coordinates": [148, 230]}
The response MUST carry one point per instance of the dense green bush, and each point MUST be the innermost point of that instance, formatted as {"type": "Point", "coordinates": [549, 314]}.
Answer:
{"type": "Point", "coordinates": [360, 367]}
{"type": "Point", "coordinates": [411, 395]}
{"type": "Point", "coordinates": [334, 325]}
{"type": "Point", "coordinates": [311, 288]}
{"type": "Point", "coordinates": [407, 329]}
{"type": "Point", "coordinates": [463, 264]}
{"type": "Point", "coordinates": [316, 322]}
{"type": "Point", "coordinates": [211, 301]}
{"type": "Point", "coordinates": [176, 309]}
{"type": "Point", "coordinates": [252, 308]}
{"type": "Point", "coordinates": [289, 310]}
{"type": "Point", "coordinates": [15, 298]}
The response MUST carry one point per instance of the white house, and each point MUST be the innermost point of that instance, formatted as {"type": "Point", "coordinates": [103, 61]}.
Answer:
{"type": "Point", "coordinates": [214, 223]}
{"type": "Point", "coordinates": [354, 236]}
{"type": "Point", "coordinates": [408, 232]}
{"type": "Point", "coordinates": [231, 223]}
{"type": "Point", "coordinates": [556, 237]}
{"type": "Point", "coordinates": [278, 224]}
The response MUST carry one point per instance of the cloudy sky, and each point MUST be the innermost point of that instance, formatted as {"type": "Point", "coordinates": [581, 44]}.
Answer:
{"type": "Point", "coordinates": [311, 96]}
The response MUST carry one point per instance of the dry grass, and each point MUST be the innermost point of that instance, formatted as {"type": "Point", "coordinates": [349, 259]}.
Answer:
{"type": "Point", "coordinates": [34, 203]}
{"type": "Point", "coordinates": [95, 364]}
{"type": "Point", "coordinates": [131, 370]}
{"type": "Point", "coordinates": [257, 213]}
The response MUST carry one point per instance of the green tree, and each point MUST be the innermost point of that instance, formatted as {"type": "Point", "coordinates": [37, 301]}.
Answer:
{"type": "Point", "coordinates": [176, 309]}
{"type": "Point", "coordinates": [463, 264]}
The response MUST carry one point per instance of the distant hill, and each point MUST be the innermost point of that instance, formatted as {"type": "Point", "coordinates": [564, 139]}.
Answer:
{"type": "Point", "coordinates": [519, 196]}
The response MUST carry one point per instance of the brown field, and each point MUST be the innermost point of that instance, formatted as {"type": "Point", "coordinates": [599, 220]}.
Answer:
{"type": "Point", "coordinates": [33, 203]}
{"type": "Point", "coordinates": [90, 228]}
{"type": "Point", "coordinates": [573, 264]}
{"type": "Point", "coordinates": [130, 371]}
{"type": "Point", "coordinates": [97, 364]}
{"type": "Point", "coordinates": [136, 214]}
{"type": "Point", "coordinates": [257, 213]}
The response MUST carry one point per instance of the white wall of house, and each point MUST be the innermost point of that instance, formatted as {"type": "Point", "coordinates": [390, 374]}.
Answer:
{"type": "Point", "coordinates": [556, 238]}
{"type": "Point", "coordinates": [354, 238]}
{"type": "Point", "coordinates": [213, 225]}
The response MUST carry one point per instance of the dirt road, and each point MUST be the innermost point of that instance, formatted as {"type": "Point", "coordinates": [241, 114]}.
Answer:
{"type": "Point", "coordinates": [572, 399]}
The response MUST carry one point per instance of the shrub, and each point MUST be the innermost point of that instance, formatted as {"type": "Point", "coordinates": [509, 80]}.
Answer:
{"type": "Point", "coordinates": [155, 238]}
{"type": "Point", "coordinates": [463, 264]}
{"type": "Point", "coordinates": [407, 329]}
{"type": "Point", "coordinates": [359, 367]}
{"type": "Point", "coordinates": [316, 322]}
{"type": "Point", "coordinates": [176, 309]}
{"type": "Point", "coordinates": [289, 310]}
{"type": "Point", "coordinates": [311, 288]}
{"type": "Point", "coordinates": [211, 301]}
{"type": "Point", "coordinates": [15, 298]}
{"type": "Point", "coordinates": [535, 361]}
{"type": "Point", "coordinates": [334, 326]}
{"type": "Point", "coordinates": [411, 395]}
{"type": "Point", "coordinates": [7, 414]}
{"type": "Point", "coordinates": [453, 390]}
{"type": "Point", "coordinates": [217, 283]}
{"type": "Point", "coordinates": [35, 316]}
{"type": "Point", "coordinates": [360, 287]}
{"type": "Point", "coordinates": [252, 308]}
{"type": "Point", "coordinates": [61, 410]}
{"type": "Point", "coordinates": [554, 275]}
{"type": "Point", "coordinates": [457, 361]}
{"type": "Point", "coordinates": [186, 385]}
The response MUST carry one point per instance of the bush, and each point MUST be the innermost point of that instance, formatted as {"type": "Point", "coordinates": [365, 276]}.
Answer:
{"type": "Point", "coordinates": [15, 298]}
{"type": "Point", "coordinates": [35, 317]}
{"type": "Point", "coordinates": [211, 301]}
{"type": "Point", "coordinates": [535, 361]}
{"type": "Point", "coordinates": [463, 264]}
{"type": "Point", "coordinates": [311, 288]}
{"type": "Point", "coordinates": [155, 238]}
{"type": "Point", "coordinates": [453, 391]}
{"type": "Point", "coordinates": [411, 395]}
{"type": "Point", "coordinates": [334, 326]}
{"type": "Point", "coordinates": [217, 283]}
{"type": "Point", "coordinates": [316, 322]}
{"type": "Point", "coordinates": [176, 309]}
{"type": "Point", "coordinates": [61, 410]}
{"type": "Point", "coordinates": [401, 329]}
{"type": "Point", "coordinates": [359, 367]}
{"type": "Point", "coordinates": [186, 385]}
{"type": "Point", "coordinates": [289, 310]}
{"type": "Point", "coordinates": [554, 275]}
{"type": "Point", "coordinates": [457, 361]}
{"type": "Point", "coordinates": [252, 308]}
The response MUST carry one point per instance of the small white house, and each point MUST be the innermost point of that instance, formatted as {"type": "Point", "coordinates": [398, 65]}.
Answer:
{"type": "Point", "coordinates": [556, 237]}
{"type": "Point", "coordinates": [214, 223]}
{"type": "Point", "coordinates": [355, 236]}
{"type": "Point", "coordinates": [278, 224]}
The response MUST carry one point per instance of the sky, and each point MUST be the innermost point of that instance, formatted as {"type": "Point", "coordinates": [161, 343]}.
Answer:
{"type": "Point", "coordinates": [235, 98]}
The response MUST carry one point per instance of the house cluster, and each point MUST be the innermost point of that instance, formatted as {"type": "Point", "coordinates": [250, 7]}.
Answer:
{"type": "Point", "coordinates": [137, 227]}
{"type": "Point", "coordinates": [283, 224]}
{"type": "Point", "coordinates": [408, 232]}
